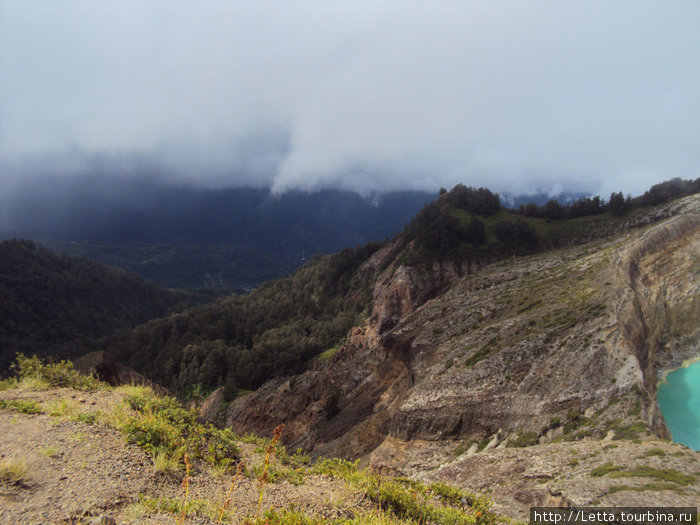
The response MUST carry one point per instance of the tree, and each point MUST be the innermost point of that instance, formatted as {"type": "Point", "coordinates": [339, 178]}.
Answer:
{"type": "Point", "coordinates": [516, 234]}
{"type": "Point", "coordinates": [553, 210]}
{"type": "Point", "coordinates": [617, 204]}
{"type": "Point", "coordinates": [476, 232]}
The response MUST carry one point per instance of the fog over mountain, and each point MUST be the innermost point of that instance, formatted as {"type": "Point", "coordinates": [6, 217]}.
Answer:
{"type": "Point", "coordinates": [367, 96]}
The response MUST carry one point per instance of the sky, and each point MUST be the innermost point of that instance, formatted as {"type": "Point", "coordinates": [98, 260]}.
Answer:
{"type": "Point", "coordinates": [517, 96]}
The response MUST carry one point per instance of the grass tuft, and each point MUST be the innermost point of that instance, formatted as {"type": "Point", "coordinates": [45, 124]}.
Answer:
{"type": "Point", "coordinates": [604, 469]}
{"type": "Point", "coordinates": [14, 472]}
{"type": "Point", "coordinates": [164, 462]}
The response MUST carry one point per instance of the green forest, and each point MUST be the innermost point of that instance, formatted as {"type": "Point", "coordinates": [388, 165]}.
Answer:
{"type": "Point", "coordinates": [58, 305]}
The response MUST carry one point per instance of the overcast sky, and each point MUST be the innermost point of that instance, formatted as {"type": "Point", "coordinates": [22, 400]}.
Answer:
{"type": "Point", "coordinates": [589, 96]}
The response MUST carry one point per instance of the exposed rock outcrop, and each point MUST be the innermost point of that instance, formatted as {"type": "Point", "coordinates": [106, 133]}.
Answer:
{"type": "Point", "coordinates": [210, 409]}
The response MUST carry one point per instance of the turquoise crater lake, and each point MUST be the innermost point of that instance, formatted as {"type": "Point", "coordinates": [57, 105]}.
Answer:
{"type": "Point", "coordinates": [679, 400]}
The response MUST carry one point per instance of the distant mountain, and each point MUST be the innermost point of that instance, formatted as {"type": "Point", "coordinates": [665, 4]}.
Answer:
{"type": "Point", "coordinates": [144, 212]}
{"type": "Point", "coordinates": [59, 305]}
{"type": "Point", "coordinates": [242, 341]}
{"type": "Point", "coordinates": [230, 239]}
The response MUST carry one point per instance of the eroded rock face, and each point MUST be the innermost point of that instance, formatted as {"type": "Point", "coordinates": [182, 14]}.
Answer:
{"type": "Point", "coordinates": [658, 311]}
{"type": "Point", "coordinates": [210, 410]}
{"type": "Point", "coordinates": [525, 346]}
{"type": "Point", "coordinates": [400, 289]}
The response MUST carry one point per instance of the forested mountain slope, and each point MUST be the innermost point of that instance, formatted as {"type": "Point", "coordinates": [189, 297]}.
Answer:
{"type": "Point", "coordinates": [59, 305]}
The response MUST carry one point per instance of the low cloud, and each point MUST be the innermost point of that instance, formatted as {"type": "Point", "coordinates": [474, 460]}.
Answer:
{"type": "Point", "coordinates": [370, 96]}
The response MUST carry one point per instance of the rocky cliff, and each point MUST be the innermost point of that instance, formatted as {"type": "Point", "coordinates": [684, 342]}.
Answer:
{"type": "Point", "coordinates": [565, 345]}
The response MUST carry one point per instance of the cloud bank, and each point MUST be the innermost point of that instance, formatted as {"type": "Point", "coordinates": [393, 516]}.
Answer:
{"type": "Point", "coordinates": [370, 96]}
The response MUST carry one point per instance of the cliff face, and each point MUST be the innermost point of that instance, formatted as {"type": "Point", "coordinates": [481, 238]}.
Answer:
{"type": "Point", "coordinates": [563, 344]}
{"type": "Point", "coordinates": [658, 310]}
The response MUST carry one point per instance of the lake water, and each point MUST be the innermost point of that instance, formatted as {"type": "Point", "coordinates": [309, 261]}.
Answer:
{"type": "Point", "coordinates": [679, 400]}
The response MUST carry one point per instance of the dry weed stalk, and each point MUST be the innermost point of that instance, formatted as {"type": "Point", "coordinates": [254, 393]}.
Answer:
{"type": "Point", "coordinates": [238, 475]}
{"type": "Point", "coordinates": [186, 486]}
{"type": "Point", "coordinates": [269, 452]}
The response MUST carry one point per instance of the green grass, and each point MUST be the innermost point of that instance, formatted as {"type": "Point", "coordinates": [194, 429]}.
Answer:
{"type": "Point", "coordinates": [654, 452]}
{"type": "Point", "coordinates": [654, 486]}
{"type": "Point", "coordinates": [171, 434]}
{"type": "Point", "coordinates": [604, 469]}
{"type": "Point", "coordinates": [161, 425]}
{"type": "Point", "coordinates": [59, 407]}
{"type": "Point", "coordinates": [643, 471]}
{"type": "Point", "coordinates": [411, 500]}
{"type": "Point", "coordinates": [49, 452]}
{"type": "Point", "coordinates": [462, 448]}
{"type": "Point", "coordinates": [19, 405]}
{"type": "Point", "coordinates": [89, 419]}
{"type": "Point", "coordinates": [176, 506]}
{"type": "Point", "coordinates": [165, 462]}
{"type": "Point", "coordinates": [326, 356]}
{"type": "Point", "coordinates": [480, 354]}
{"type": "Point", "coordinates": [9, 383]}
{"type": "Point", "coordinates": [630, 431]}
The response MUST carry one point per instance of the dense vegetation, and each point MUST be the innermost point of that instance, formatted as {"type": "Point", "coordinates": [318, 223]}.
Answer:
{"type": "Point", "coordinates": [617, 204]}
{"type": "Point", "coordinates": [51, 304]}
{"type": "Point", "coordinates": [220, 268]}
{"type": "Point", "coordinates": [470, 224]}
{"type": "Point", "coordinates": [241, 341]}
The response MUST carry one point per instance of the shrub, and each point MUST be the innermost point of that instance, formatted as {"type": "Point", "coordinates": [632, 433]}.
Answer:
{"type": "Point", "coordinates": [61, 374]}
{"type": "Point", "coordinates": [163, 427]}
{"type": "Point", "coordinates": [524, 440]}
